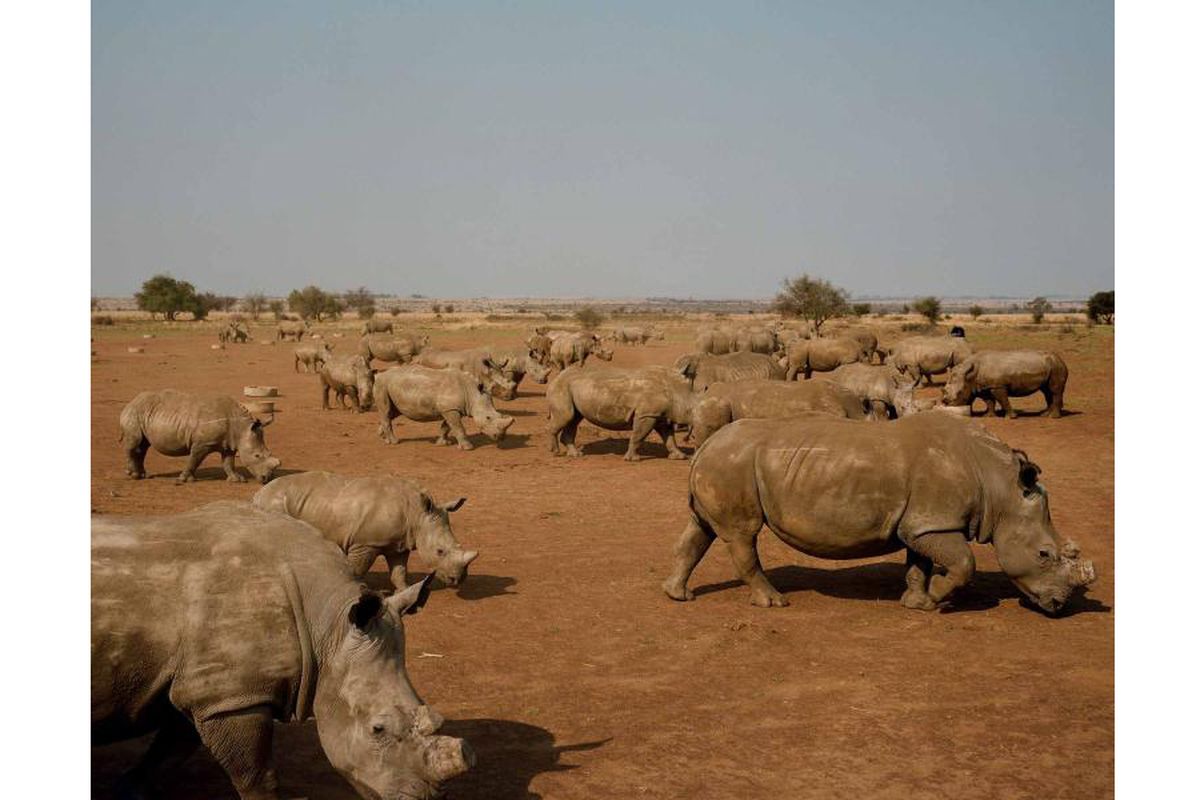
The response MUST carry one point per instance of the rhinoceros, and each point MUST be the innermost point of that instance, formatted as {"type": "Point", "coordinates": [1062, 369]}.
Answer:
{"type": "Point", "coordinates": [424, 394]}
{"type": "Point", "coordinates": [839, 489]}
{"type": "Point", "coordinates": [867, 341]}
{"type": "Point", "coordinates": [397, 349]}
{"type": "Point", "coordinates": [632, 334]}
{"type": "Point", "coordinates": [233, 332]}
{"type": "Point", "coordinates": [715, 341]}
{"type": "Point", "coordinates": [347, 376]}
{"type": "Point", "coordinates": [704, 370]}
{"type": "Point", "coordinates": [884, 390]}
{"type": "Point", "coordinates": [210, 625]}
{"type": "Point", "coordinates": [638, 400]}
{"type": "Point", "coordinates": [821, 355]}
{"type": "Point", "coordinates": [994, 376]}
{"type": "Point", "coordinates": [369, 517]}
{"type": "Point", "coordinates": [477, 363]}
{"type": "Point", "coordinates": [755, 340]}
{"type": "Point", "coordinates": [311, 355]}
{"type": "Point", "coordinates": [377, 326]}
{"type": "Point", "coordinates": [194, 425]}
{"type": "Point", "coordinates": [539, 346]}
{"type": "Point", "coordinates": [291, 329]}
{"type": "Point", "coordinates": [575, 348]}
{"type": "Point", "coordinates": [724, 403]}
{"type": "Point", "coordinates": [926, 356]}
{"type": "Point", "coordinates": [515, 363]}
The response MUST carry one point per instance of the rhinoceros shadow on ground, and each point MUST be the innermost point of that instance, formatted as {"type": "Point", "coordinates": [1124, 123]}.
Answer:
{"type": "Point", "coordinates": [885, 581]}
{"type": "Point", "coordinates": [476, 586]}
{"type": "Point", "coordinates": [217, 473]}
{"type": "Point", "coordinates": [614, 446]}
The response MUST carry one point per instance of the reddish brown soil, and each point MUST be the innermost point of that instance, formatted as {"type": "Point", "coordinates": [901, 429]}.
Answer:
{"type": "Point", "coordinates": [573, 676]}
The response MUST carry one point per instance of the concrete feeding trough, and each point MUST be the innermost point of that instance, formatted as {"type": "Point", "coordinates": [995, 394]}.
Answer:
{"type": "Point", "coordinates": [261, 407]}
{"type": "Point", "coordinates": [217, 346]}
{"type": "Point", "coordinates": [261, 391]}
{"type": "Point", "coordinates": [136, 349]}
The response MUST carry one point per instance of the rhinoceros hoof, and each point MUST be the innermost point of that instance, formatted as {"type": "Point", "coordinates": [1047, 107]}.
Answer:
{"type": "Point", "coordinates": [768, 599]}
{"type": "Point", "coordinates": [573, 452]}
{"type": "Point", "coordinates": [182, 479]}
{"type": "Point", "coordinates": [632, 457]}
{"type": "Point", "coordinates": [235, 479]}
{"type": "Point", "coordinates": [465, 446]}
{"type": "Point", "coordinates": [677, 456]}
{"type": "Point", "coordinates": [677, 592]}
{"type": "Point", "coordinates": [137, 476]}
{"type": "Point", "coordinates": [919, 601]}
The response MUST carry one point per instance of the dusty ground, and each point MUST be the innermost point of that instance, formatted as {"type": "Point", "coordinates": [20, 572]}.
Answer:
{"type": "Point", "coordinates": [573, 676]}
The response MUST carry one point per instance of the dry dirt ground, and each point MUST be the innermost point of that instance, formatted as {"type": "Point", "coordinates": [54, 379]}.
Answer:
{"type": "Point", "coordinates": [573, 676]}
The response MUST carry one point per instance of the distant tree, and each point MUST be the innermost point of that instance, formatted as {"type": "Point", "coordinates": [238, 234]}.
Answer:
{"type": "Point", "coordinates": [588, 317]}
{"type": "Point", "coordinates": [394, 311]}
{"type": "Point", "coordinates": [861, 309]}
{"type": "Point", "coordinates": [276, 308]}
{"type": "Point", "coordinates": [813, 299]}
{"type": "Point", "coordinates": [164, 295]}
{"type": "Point", "coordinates": [904, 309]}
{"type": "Point", "coordinates": [95, 304]}
{"type": "Point", "coordinates": [449, 308]}
{"type": "Point", "coordinates": [366, 312]}
{"type": "Point", "coordinates": [358, 299]}
{"type": "Point", "coordinates": [255, 303]}
{"type": "Point", "coordinates": [205, 303]}
{"type": "Point", "coordinates": [1102, 307]}
{"type": "Point", "coordinates": [312, 302]}
{"type": "Point", "coordinates": [437, 309]}
{"type": "Point", "coordinates": [976, 311]}
{"type": "Point", "coordinates": [1038, 307]}
{"type": "Point", "coordinates": [929, 307]}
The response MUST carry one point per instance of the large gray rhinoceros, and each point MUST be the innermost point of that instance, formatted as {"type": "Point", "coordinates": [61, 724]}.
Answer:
{"type": "Point", "coordinates": [517, 363]}
{"type": "Point", "coordinates": [368, 517]}
{"type": "Point", "coordinates": [723, 403]}
{"type": "Point", "coordinates": [927, 483]}
{"type": "Point", "coordinates": [703, 370]}
{"type": "Point", "coordinates": [194, 425]}
{"type": "Point", "coordinates": [639, 400]}
{"type": "Point", "coordinates": [395, 349]}
{"type": "Point", "coordinates": [715, 341]}
{"type": "Point", "coordinates": [821, 355]}
{"type": "Point", "coordinates": [476, 362]}
{"type": "Point", "coordinates": [995, 375]}
{"type": "Point", "coordinates": [347, 376]}
{"type": "Point", "coordinates": [210, 625]}
{"type": "Point", "coordinates": [291, 329]}
{"type": "Point", "coordinates": [926, 356]}
{"type": "Point", "coordinates": [884, 390]}
{"type": "Point", "coordinates": [574, 349]}
{"type": "Point", "coordinates": [424, 394]}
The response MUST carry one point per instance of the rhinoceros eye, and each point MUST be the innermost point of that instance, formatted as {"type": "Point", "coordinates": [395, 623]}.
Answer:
{"type": "Point", "coordinates": [377, 729]}
{"type": "Point", "coordinates": [1043, 553]}
{"type": "Point", "coordinates": [441, 552]}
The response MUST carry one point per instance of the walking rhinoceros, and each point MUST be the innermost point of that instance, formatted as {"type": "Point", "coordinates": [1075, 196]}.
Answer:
{"type": "Point", "coordinates": [424, 394]}
{"type": "Point", "coordinates": [723, 403]}
{"type": "Point", "coordinates": [369, 517]}
{"type": "Point", "coordinates": [311, 355]}
{"type": "Point", "coordinates": [398, 349]}
{"type": "Point", "coordinates": [210, 625]}
{"type": "Point", "coordinates": [477, 363]}
{"type": "Point", "coordinates": [515, 363]}
{"type": "Point", "coordinates": [194, 425]}
{"type": "Point", "coordinates": [574, 349]}
{"type": "Point", "coordinates": [996, 375]}
{"type": "Point", "coordinates": [291, 329]}
{"type": "Point", "coordinates": [927, 483]}
{"type": "Point", "coordinates": [347, 376]}
{"type": "Point", "coordinates": [821, 355]}
{"type": "Point", "coordinates": [704, 370]}
{"type": "Point", "coordinates": [926, 356]}
{"type": "Point", "coordinates": [377, 326]}
{"type": "Point", "coordinates": [539, 346]}
{"type": "Point", "coordinates": [884, 390]}
{"type": "Point", "coordinates": [639, 400]}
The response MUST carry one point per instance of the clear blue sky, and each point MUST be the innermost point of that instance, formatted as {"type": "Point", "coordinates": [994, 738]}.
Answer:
{"type": "Point", "coordinates": [609, 149]}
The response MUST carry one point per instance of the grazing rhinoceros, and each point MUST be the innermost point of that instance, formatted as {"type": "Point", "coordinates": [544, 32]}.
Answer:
{"type": "Point", "coordinates": [396, 349]}
{"type": "Point", "coordinates": [632, 334]}
{"type": "Point", "coordinates": [539, 346]}
{"type": "Point", "coordinates": [867, 341]}
{"type": "Point", "coordinates": [347, 376]}
{"type": "Point", "coordinates": [928, 483]}
{"type": "Point", "coordinates": [311, 355]}
{"type": "Point", "coordinates": [515, 363]}
{"type": "Point", "coordinates": [572, 349]}
{"type": "Point", "coordinates": [194, 425]}
{"type": "Point", "coordinates": [369, 517]}
{"type": "Point", "coordinates": [638, 400]}
{"type": "Point", "coordinates": [377, 326]}
{"type": "Point", "coordinates": [704, 370]}
{"type": "Point", "coordinates": [994, 376]}
{"type": "Point", "coordinates": [821, 355]}
{"type": "Point", "coordinates": [715, 341]}
{"type": "Point", "coordinates": [884, 390]}
{"type": "Point", "coordinates": [233, 332]}
{"type": "Point", "coordinates": [424, 394]}
{"type": "Point", "coordinates": [291, 329]}
{"type": "Point", "coordinates": [926, 356]}
{"type": "Point", "coordinates": [723, 403]}
{"type": "Point", "coordinates": [755, 340]}
{"type": "Point", "coordinates": [211, 625]}
{"type": "Point", "coordinates": [476, 363]}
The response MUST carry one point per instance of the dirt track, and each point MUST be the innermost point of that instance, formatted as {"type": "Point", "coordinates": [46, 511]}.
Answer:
{"type": "Point", "coordinates": [573, 676]}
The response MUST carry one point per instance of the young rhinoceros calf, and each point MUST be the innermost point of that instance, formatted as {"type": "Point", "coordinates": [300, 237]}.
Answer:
{"type": "Point", "coordinates": [208, 626]}
{"type": "Point", "coordinates": [194, 425]}
{"type": "Point", "coordinates": [928, 483]}
{"type": "Point", "coordinates": [703, 370]}
{"type": "Point", "coordinates": [926, 356]}
{"type": "Point", "coordinates": [723, 403]}
{"type": "Point", "coordinates": [369, 517]}
{"type": "Point", "coordinates": [822, 355]}
{"type": "Point", "coordinates": [348, 376]}
{"type": "Point", "coordinates": [994, 376]}
{"type": "Point", "coordinates": [424, 394]}
{"type": "Point", "coordinates": [312, 356]}
{"type": "Point", "coordinates": [637, 400]}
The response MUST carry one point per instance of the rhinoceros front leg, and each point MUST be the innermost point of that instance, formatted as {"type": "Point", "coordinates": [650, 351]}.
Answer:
{"type": "Point", "coordinates": [1001, 395]}
{"type": "Point", "coordinates": [231, 473]}
{"type": "Point", "coordinates": [452, 422]}
{"type": "Point", "coordinates": [690, 548]}
{"type": "Point", "coordinates": [241, 743]}
{"type": "Point", "coordinates": [175, 741]}
{"type": "Point", "coordinates": [951, 552]}
{"type": "Point", "coordinates": [641, 429]}
{"type": "Point", "coordinates": [197, 455]}
{"type": "Point", "coordinates": [917, 594]}
{"type": "Point", "coordinates": [360, 557]}
{"type": "Point", "coordinates": [397, 561]}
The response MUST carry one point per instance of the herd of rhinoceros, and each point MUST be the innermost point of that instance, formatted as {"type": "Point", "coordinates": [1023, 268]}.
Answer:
{"type": "Point", "coordinates": [209, 625]}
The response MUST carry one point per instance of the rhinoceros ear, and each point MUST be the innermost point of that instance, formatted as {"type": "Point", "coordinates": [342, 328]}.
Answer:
{"type": "Point", "coordinates": [1027, 472]}
{"type": "Point", "coordinates": [366, 609]}
{"type": "Point", "coordinates": [453, 505]}
{"type": "Point", "coordinates": [411, 599]}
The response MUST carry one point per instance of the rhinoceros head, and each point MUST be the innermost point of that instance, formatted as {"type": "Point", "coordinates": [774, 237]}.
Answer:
{"type": "Point", "coordinates": [960, 386]}
{"type": "Point", "coordinates": [373, 727]}
{"type": "Point", "coordinates": [1046, 569]}
{"type": "Point", "coordinates": [364, 382]}
{"type": "Point", "coordinates": [601, 352]}
{"type": "Point", "coordinates": [252, 450]}
{"type": "Point", "coordinates": [535, 370]}
{"type": "Point", "coordinates": [437, 544]}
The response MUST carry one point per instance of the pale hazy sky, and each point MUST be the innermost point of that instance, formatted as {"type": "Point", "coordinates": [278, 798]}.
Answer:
{"type": "Point", "coordinates": [621, 149]}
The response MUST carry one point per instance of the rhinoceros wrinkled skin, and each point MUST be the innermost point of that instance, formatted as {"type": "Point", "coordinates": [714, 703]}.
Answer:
{"type": "Point", "coordinates": [476, 362]}
{"type": "Point", "coordinates": [399, 348]}
{"type": "Point", "coordinates": [994, 376]}
{"type": "Point", "coordinates": [208, 626]}
{"type": "Point", "coordinates": [715, 341]}
{"type": "Point", "coordinates": [806, 356]}
{"type": "Point", "coordinates": [723, 403]}
{"type": "Point", "coordinates": [867, 341]}
{"type": "Point", "coordinates": [639, 400]}
{"type": "Point", "coordinates": [377, 326]}
{"type": "Point", "coordinates": [703, 370]}
{"type": "Point", "coordinates": [574, 349]}
{"type": "Point", "coordinates": [539, 347]}
{"type": "Point", "coordinates": [291, 329]}
{"type": "Point", "coordinates": [632, 334]}
{"type": "Point", "coordinates": [755, 340]}
{"type": "Point", "coordinates": [424, 394]}
{"type": "Point", "coordinates": [886, 392]}
{"type": "Point", "coordinates": [347, 376]}
{"type": "Point", "coordinates": [373, 516]}
{"type": "Point", "coordinates": [839, 489]}
{"type": "Point", "coordinates": [517, 363]}
{"type": "Point", "coordinates": [311, 355]}
{"type": "Point", "coordinates": [926, 356]}
{"type": "Point", "coordinates": [194, 425]}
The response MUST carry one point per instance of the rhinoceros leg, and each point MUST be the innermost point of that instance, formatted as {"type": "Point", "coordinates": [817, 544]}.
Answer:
{"type": "Point", "coordinates": [231, 473]}
{"type": "Point", "coordinates": [667, 431]}
{"type": "Point", "coordinates": [744, 550]}
{"type": "Point", "coordinates": [1002, 398]}
{"type": "Point", "coordinates": [397, 561]}
{"type": "Point", "coordinates": [324, 395]}
{"type": "Point", "coordinates": [386, 415]}
{"type": "Point", "coordinates": [241, 744]}
{"type": "Point", "coordinates": [135, 455]}
{"type": "Point", "coordinates": [1053, 402]}
{"type": "Point", "coordinates": [175, 741]}
{"type": "Point", "coordinates": [453, 421]}
{"type": "Point", "coordinates": [951, 552]}
{"type": "Point", "coordinates": [690, 548]}
{"type": "Point", "coordinates": [917, 578]}
{"type": "Point", "coordinates": [197, 455]}
{"type": "Point", "coordinates": [360, 557]}
{"type": "Point", "coordinates": [641, 429]}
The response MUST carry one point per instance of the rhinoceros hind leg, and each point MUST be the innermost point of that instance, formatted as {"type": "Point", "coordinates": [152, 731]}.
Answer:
{"type": "Point", "coordinates": [175, 741]}
{"type": "Point", "coordinates": [197, 455]}
{"type": "Point", "coordinates": [744, 551]}
{"type": "Point", "coordinates": [241, 743]}
{"type": "Point", "coordinates": [135, 453]}
{"type": "Point", "coordinates": [690, 548]}
{"type": "Point", "coordinates": [667, 432]}
{"type": "Point", "coordinates": [917, 578]}
{"type": "Point", "coordinates": [1053, 402]}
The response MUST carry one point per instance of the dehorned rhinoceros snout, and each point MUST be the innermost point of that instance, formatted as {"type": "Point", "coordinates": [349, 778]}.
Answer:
{"type": "Point", "coordinates": [496, 427]}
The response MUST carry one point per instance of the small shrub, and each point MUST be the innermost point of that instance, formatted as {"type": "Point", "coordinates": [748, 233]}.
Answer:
{"type": "Point", "coordinates": [103, 319]}
{"type": "Point", "coordinates": [588, 317]}
{"type": "Point", "coordinates": [366, 312]}
{"type": "Point", "coordinates": [923, 327]}
{"type": "Point", "coordinates": [976, 312]}
{"type": "Point", "coordinates": [449, 308]}
{"type": "Point", "coordinates": [1038, 307]}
